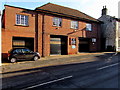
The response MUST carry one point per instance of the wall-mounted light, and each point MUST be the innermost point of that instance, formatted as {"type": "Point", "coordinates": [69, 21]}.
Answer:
{"type": "Point", "coordinates": [75, 30]}
{"type": "Point", "coordinates": [57, 28]}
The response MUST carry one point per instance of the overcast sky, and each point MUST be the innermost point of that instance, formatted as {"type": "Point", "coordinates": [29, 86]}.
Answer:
{"type": "Point", "coordinates": [90, 7]}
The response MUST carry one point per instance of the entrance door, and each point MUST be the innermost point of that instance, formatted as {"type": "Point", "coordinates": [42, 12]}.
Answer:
{"type": "Point", "coordinates": [84, 45]}
{"type": "Point", "coordinates": [28, 53]}
{"type": "Point", "coordinates": [19, 54]}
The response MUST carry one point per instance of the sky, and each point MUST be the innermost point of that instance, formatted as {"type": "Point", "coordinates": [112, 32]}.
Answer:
{"type": "Point", "coordinates": [90, 7]}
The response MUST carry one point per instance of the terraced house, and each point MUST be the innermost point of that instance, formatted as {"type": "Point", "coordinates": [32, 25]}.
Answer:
{"type": "Point", "coordinates": [110, 33]}
{"type": "Point", "coordinates": [49, 29]}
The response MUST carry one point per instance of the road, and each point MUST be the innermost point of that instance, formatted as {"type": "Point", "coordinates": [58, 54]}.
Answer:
{"type": "Point", "coordinates": [102, 73]}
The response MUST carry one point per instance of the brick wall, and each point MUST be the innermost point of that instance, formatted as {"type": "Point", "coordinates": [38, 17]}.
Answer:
{"type": "Point", "coordinates": [12, 30]}
{"type": "Point", "coordinates": [65, 30]}
{"type": "Point", "coordinates": [41, 28]}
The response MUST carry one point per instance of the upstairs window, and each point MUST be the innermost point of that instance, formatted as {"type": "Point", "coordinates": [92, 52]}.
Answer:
{"type": "Point", "coordinates": [74, 24]}
{"type": "Point", "coordinates": [21, 20]}
{"type": "Point", "coordinates": [57, 22]}
{"type": "Point", "coordinates": [89, 27]}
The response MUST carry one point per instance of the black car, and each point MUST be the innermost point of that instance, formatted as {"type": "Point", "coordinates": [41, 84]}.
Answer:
{"type": "Point", "coordinates": [22, 54]}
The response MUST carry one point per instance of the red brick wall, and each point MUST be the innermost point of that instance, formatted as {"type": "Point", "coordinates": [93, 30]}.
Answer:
{"type": "Point", "coordinates": [12, 30]}
{"type": "Point", "coordinates": [65, 29]}
{"type": "Point", "coordinates": [10, 20]}
{"type": "Point", "coordinates": [40, 33]}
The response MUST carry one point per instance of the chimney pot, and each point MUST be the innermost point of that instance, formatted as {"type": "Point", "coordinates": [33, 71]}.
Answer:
{"type": "Point", "coordinates": [105, 6]}
{"type": "Point", "coordinates": [104, 10]}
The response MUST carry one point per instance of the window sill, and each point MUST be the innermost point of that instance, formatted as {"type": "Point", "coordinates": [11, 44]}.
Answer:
{"type": "Point", "coordinates": [88, 30]}
{"type": "Point", "coordinates": [22, 25]}
{"type": "Point", "coordinates": [74, 28]}
{"type": "Point", "coordinates": [56, 26]}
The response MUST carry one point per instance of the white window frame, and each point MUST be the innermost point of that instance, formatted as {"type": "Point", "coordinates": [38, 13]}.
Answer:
{"type": "Point", "coordinates": [88, 27]}
{"type": "Point", "coordinates": [74, 24]}
{"type": "Point", "coordinates": [21, 20]}
{"type": "Point", "coordinates": [57, 21]}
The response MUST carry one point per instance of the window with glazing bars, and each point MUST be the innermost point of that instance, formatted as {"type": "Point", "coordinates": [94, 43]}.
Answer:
{"type": "Point", "coordinates": [22, 20]}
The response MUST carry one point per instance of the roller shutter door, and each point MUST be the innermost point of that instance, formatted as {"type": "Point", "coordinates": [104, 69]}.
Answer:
{"type": "Point", "coordinates": [23, 42]}
{"type": "Point", "coordinates": [18, 43]}
{"type": "Point", "coordinates": [55, 46]}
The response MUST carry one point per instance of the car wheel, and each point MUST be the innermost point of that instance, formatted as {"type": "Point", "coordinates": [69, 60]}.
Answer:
{"type": "Point", "coordinates": [13, 60]}
{"type": "Point", "coordinates": [35, 58]}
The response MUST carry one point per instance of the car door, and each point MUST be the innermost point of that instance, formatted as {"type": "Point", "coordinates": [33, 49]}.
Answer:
{"type": "Point", "coordinates": [28, 53]}
{"type": "Point", "coordinates": [18, 54]}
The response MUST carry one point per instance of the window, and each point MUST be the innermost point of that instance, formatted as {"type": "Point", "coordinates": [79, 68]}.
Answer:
{"type": "Point", "coordinates": [17, 51]}
{"type": "Point", "coordinates": [26, 51]}
{"type": "Point", "coordinates": [57, 22]}
{"type": "Point", "coordinates": [72, 41]}
{"type": "Point", "coordinates": [88, 27]}
{"type": "Point", "coordinates": [22, 20]}
{"type": "Point", "coordinates": [74, 24]}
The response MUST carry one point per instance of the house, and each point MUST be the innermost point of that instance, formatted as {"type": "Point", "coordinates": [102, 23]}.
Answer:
{"type": "Point", "coordinates": [18, 29]}
{"type": "Point", "coordinates": [109, 32]}
{"type": "Point", "coordinates": [50, 30]}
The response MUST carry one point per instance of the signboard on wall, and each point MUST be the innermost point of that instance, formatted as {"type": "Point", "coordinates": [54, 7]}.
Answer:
{"type": "Point", "coordinates": [93, 40]}
{"type": "Point", "coordinates": [73, 46]}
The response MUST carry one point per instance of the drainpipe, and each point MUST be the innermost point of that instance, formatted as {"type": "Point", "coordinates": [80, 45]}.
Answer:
{"type": "Point", "coordinates": [36, 32]}
{"type": "Point", "coordinates": [43, 36]}
{"type": "Point", "coordinates": [98, 37]}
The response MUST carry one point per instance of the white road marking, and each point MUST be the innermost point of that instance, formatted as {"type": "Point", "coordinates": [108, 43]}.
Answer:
{"type": "Point", "coordinates": [107, 66]}
{"type": "Point", "coordinates": [116, 53]}
{"type": "Point", "coordinates": [48, 82]}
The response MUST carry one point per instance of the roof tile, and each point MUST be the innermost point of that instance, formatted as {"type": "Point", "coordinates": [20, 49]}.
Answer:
{"type": "Point", "coordinates": [65, 10]}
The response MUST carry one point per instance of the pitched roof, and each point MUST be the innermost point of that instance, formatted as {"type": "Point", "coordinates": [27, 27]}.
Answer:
{"type": "Point", "coordinates": [61, 10]}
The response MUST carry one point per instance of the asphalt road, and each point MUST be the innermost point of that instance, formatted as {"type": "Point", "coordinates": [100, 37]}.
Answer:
{"type": "Point", "coordinates": [102, 73]}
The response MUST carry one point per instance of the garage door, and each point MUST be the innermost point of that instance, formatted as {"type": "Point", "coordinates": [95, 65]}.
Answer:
{"type": "Point", "coordinates": [23, 42]}
{"type": "Point", "coordinates": [55, 46]}
{"type": "Point", "coordinates": [18, 43]}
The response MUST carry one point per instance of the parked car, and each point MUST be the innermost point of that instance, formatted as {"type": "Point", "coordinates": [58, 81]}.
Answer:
{"type": "Point", "coordinates": [22, 54]}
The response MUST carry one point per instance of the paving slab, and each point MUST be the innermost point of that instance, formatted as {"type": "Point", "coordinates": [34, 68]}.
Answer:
{"type": "Point", "coordinates": [51, 61]}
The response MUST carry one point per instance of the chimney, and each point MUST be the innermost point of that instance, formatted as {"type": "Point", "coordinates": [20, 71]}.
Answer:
{"type": "Point", "coordinates": [104, 10]}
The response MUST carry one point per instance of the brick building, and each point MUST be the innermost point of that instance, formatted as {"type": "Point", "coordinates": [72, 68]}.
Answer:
{"type": "Point", "coordinates": [49, 29]}
{"type": "Point", "coordinates": [18, 29]}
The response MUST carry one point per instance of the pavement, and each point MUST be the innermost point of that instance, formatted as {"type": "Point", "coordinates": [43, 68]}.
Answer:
{"type": "Point", "coordinates": [51, 61]}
